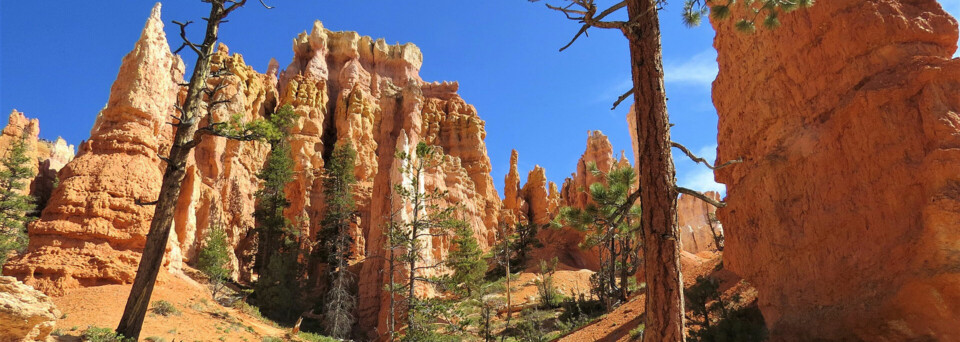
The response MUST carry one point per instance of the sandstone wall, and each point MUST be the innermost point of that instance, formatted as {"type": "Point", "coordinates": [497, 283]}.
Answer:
{"type": "Point", "coordinates": [845, 211]}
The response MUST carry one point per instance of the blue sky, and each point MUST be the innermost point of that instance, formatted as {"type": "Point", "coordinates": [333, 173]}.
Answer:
{"type": "Point", "coordinates": [59, 66]}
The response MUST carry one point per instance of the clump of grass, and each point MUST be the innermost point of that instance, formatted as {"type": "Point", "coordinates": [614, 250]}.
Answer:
{"type": "Point", "coordinates": [165, 308]}
{"type": "Point", "coordinates": [252, 311]}
{"type": "Point", "coordinates": [155, 339]}
{"type": "Point", "coordinates": [98, 334]}
{"type": "Point", "coordinates": [248, 309]}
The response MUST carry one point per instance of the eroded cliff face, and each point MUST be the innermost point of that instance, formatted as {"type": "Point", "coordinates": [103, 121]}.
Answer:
{"type": "Point", "coordinates": [345, 88]}
{"type": "Point", "coordinates": [845, 211]}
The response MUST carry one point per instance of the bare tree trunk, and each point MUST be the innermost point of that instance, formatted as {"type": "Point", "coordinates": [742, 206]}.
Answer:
{"type": "Point", "coordinates": [612, 272]}
{"type": "Point", "coordinates": [414, 250]}
{"type": "Point", "coordinates": [136, 308]}
{"type": "Point", "coordinates": [506, 257]}
{"type": "Point", "coordinates": [664, 303]}
{"type": "Point", "coordinates": [391, 321]}
{"type": "Point", "coordinates": [625, 248]}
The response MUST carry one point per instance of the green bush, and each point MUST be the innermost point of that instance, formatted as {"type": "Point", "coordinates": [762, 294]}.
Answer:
{"type": "Point", "coordinates": [550, 297]}
{"type": "Point", "coordinates": [214, 258]}
{"type": "Point", "coordinates": [578, 312]}
{"type": "Point", "coordinates": [98, 334]}
{"type": "Point", "coordinates": [532, 327]}
{"type": "Point", "coordinates": [165, 308]}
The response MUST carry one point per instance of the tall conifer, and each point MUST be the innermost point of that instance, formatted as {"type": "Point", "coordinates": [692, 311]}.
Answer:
{"type": "Point", "coordinates": [14, 204]}
{"type": "Point", "coordinates": [338, 182]}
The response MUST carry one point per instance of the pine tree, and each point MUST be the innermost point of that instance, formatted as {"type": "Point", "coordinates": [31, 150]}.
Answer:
{"type": "Point", "coordinates": [340, 213]}
{"type": "Point", "coordinates": [428, 218]}
{"type": "Point", "coordinates": [524, 240]}
{"type": "Point", "coordinates": [278, 241]}
{"type": "Point", "coordinates": [609, 223]}
{"type": "Point", "coordinates": [503, 254]}
{"type": "Point", "coordinates": [658, 189]}
{"type": "Point", "coordinates": [14, 205]}
{"type": "Point", "coordinates": [466, 261]}
{"type": "Point", "coordinates": [214, 258]}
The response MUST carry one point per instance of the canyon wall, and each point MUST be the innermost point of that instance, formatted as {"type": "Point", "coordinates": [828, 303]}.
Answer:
{"type": "Point", "coordinates": [345, 88]}
{"type": "Point", "coordinates": [845, 211]}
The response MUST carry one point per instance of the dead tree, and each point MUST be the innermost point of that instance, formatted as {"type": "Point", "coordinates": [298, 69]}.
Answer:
{"type": "Point", "coordinates": [188, 135]}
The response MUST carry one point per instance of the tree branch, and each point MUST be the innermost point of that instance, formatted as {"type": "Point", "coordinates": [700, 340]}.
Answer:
{"type": "Point", "coordinates": [701, 197]}
{"type": "Point", "coordinates": [622, 97]}
{"type": "Point", "coordinates": [186, 42]}
{"type": "Point", "coordinates": [142, 203]}
{"type": "Point", "coordinates": [588, 17]}
{"type": "Point", "coordinates": [701, 160]}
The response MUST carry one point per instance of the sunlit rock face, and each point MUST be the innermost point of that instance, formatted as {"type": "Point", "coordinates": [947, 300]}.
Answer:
{"type": "Point", "coordinates": [353, 89]}
{"type": "Point", "coordinates": [845, 212]}
{"type": "Point", "coordinates": [697, 231]}
{"type": "Point", "coordinates": [25, 313]}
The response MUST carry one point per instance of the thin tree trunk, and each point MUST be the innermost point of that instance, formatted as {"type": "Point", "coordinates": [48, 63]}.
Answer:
{"type": "Point", "coordinates": [414, 251]}
{"type": "Point", "coordinates": [506, 252]}
{"type": "Point", "coordinates": [612, 272]}
{"type": "Point", "coordinates": [624, 274]}
{"type": "Point", "coordinates": [392, 319]}
{"type": "Point", "coordinates": [136, 308]}
{"type": "Point", "coordinates": [664, 302]}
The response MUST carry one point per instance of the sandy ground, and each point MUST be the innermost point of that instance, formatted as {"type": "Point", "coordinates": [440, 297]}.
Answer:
{"type": "Point", "coordinates": [200, 319]}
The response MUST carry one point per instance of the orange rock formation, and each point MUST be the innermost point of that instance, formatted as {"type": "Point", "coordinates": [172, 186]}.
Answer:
{"type": "Point", "coordinates": [845, 212]}
{"type": "Point", "coordinates": [91, 228]}
{"type": "Point", "coordinates": [345, 88]}
{"type": "Point", "coordinates": [49, 156]}
{"type": "Point", "coordinates": [693, 221]}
